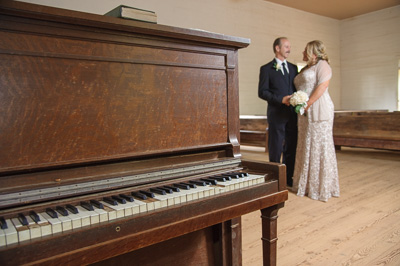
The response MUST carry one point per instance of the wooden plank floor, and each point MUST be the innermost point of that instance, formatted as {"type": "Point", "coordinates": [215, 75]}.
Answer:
{"type": "Point", "coordinates": [362, 227]}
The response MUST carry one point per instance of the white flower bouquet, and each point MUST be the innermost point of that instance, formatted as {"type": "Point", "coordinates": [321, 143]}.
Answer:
{"type": "Point", "coordinates": [299, 101]}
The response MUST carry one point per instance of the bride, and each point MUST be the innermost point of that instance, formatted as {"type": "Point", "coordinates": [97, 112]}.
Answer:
{"type": "Point", "coordinates": [316, 173]}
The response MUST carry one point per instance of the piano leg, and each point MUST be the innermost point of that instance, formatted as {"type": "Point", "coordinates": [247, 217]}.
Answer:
{"type": "Point", "coordinates": [269, 217]}
{"type": "Point", "coordinates": [235, 233]}
{"type": "Point", "coordinates": [228, 243]}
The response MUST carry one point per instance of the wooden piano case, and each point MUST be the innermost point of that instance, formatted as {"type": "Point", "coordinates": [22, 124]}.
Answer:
{"type": "Point", "coordinates": [93, 105]}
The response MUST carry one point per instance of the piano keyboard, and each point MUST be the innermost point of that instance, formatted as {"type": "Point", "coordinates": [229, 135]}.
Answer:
{"type": "Point", "coordinates": [65, 218]}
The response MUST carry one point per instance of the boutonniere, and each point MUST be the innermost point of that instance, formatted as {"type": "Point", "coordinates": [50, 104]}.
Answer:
{"type": "Point", "coordinates": [277, 66]}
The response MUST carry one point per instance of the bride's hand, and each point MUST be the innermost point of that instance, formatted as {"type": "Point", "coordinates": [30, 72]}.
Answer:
{"type": "Point", "coordinates": [307, 107]}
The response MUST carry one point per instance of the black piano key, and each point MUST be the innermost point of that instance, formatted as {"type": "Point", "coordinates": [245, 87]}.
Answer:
{"type": "Point", "coordinates": [139, 195]}
{"type": "Point", "coordinates": [218, 178]}
{"type": "Point", "coordinates": [35, 217]}
{"type": "Point", "coordinates": [199, 183]}
{"type": "Point", "coordinates": [212, 181]}
{"type": "Point", "coordinates": [231, 175]}
{"type": "Point", "coordinates": [119, 199]}
{"type": "Point", "coordinates": [72, 209]}
{"type": "Point", "coordinates": [241, 174]}
{"type": "Point", "coordinates": [174, 189]}
{"type": "Point", "coordinates": [87, 206]}
{"type": "Point", "coordinates": [22, 219]}
{"type": "Point", "coordinates": [62, 211]}
{"type": "Point", "coordinates": [52, 213]}
{"type": "Point", "coordinates": [158, 191]}
{"type": "Point", "coordinates": [3, 223]}
{"type": "Point", "coordinates": [182, 186]}
{"type": "Point", "coordinates": [110, 201]}
{"type": "Point", "coordinates": [191, 185]}
{"type": "Point", "coordinates": [226, 176]}
{"type": "Point", "coordinates": [97, 204]}
{"type": "Point", "coordinates": [127, 197]}
{"type": "Point", "coordinates": [147, 193]}
{"type": "Point", "coordinates": [167, 190]}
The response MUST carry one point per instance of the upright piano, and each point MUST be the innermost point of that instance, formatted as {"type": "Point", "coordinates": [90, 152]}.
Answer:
{"type": "Point", "coordinates": [119, 144]}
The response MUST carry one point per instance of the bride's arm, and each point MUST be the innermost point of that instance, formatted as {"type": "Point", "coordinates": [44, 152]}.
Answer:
{"type": "Point", "coordinates": [317, 93]}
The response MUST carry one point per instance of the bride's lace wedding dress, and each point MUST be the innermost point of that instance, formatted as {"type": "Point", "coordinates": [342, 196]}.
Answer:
{"type": "Point", "coordinates": [316, 173]}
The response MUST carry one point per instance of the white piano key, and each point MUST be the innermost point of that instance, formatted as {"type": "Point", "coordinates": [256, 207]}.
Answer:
{"type": "Point", "coordinates": [131, 208]}
{"type": "Point", "coordinates": [87, 217]}
{"type": "Point", "coordinates": [66, 222]}
{"type": "Point", "coordinates": [76, 220]}
{"type": "Point", "coordinates": [207, 191]}
{"type": "Point", "coordinates": [195, 193]}
{"type": "Point", "coordinates": [34, 228]}
{"type": "Point", "coordinates": [203, 192]}
{"type": "Point", "coordinates": [10, 233]}
{"type": "Point", "coordinates": [218, 189]}
{"type": "Point", "coordinates": [189, 195]}
{"type": "Point", "coordinates": [103, 214]}
{"type": "Point", "coordinates": [156, 202]}
{"type": "Point", "coordinates": [237, 184]}
{"type": "Point", "coordinates": [142, 205]}
{"type": "Point", "coordinates": [244, 182]}
{"type": "Point", "coordinates": [177, 198]}
{"type": "Point", "coordinates": [136, 207]}
{"type": "Point", "coordinates": [3, 242]}
{"type": "Point", "coordinates": [112, 212]}
{"type": "Point", "coordinates": [56, 224]}
{"type": "Point", "coordinates": [254, 179]}
{"type": "Point", "coordinates": [127, 209]}
{"type": "Point", "coordinates": [165, 200]}
{"type": "Point", "coordinates": [211, 190]}
{"type": "Point", "coordinates": [261, 179]}
{"type": "Point", "coordinates": [120, 209]}
{"type": "Point", "coordinates": [149, 204]}
{"type": "Point", "coordinates": [200, 192]}
{"type": "Point", "coordinates": [45, 226]}
{"type": "Point", "coordinates": [22, 230]}
{"type": "Point", "coordinates": [182, 194]}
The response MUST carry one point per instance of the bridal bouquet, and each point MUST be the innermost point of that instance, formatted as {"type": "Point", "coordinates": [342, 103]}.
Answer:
{"type": "Point", "coordinates": [299, 101]}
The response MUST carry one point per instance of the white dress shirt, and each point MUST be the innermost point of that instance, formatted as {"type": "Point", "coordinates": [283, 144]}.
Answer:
{"type": "Point", "coordinates": [280, 64]}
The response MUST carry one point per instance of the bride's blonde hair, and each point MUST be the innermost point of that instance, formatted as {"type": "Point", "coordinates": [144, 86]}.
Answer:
{"type": "Point", "coordinates": [316, 48]}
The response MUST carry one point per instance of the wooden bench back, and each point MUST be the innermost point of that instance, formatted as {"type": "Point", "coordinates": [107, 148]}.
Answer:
{"type": "Point", "coordinates": [374, 130]}
{"type": "Point", "coordinates": [253, 123]}
{"type": "Point", "coordinates": [373, 125]}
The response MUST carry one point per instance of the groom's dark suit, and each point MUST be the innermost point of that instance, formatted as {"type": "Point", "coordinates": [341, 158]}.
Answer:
{"type": "Point", "coordinates": [282, 120]}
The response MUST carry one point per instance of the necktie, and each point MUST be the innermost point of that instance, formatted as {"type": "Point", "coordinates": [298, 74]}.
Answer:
{"type": "Point", "coordinates": [285, 72]}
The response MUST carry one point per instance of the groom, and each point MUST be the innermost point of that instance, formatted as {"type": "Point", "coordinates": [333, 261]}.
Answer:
{"type": "Point", "coordinates": [275, 86]}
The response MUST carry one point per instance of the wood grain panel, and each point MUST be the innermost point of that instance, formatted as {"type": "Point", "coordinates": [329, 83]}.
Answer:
{"type": "Point", "coordinates": [88, 109]}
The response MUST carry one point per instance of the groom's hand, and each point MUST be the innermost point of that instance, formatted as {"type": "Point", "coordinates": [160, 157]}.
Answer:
{"type": "Point", "coordinates": [285, 100]}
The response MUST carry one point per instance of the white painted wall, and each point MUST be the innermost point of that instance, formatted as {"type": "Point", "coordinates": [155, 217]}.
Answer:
{"type": "Point", "coordinates": [370, 54]}
{"type": "Point", "coordinates": [262, 22]}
